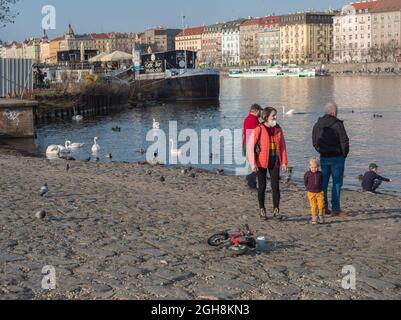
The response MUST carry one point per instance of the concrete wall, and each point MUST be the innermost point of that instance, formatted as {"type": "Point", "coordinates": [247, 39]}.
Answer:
{"type": "Point", "coordinates": [17, 119]}
{"type": "Point", "coordinates": [364, 67]}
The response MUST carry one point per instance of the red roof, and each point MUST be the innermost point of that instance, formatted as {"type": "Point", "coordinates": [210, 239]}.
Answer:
{"type": "Point", "coordinates": [387, 6]}
{"type": "Point", "coordinates": [57, 39]}
{"type": "Point", "coordinates": [365, 5]}
{"type": "Point", "coordinates": [250, 22]}
{"type": "Point", "coordinates": [273, 20]}
{"type": "Point", "coordinates": [100, 35]}
{"type": "Point", "coordinates": [191, 32]}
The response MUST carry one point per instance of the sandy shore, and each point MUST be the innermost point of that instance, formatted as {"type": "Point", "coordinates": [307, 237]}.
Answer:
{"type": "Point", "coordinates": [113, 231]}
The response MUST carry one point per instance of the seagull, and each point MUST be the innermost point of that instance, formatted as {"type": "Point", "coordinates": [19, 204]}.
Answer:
{"type": "Point", "coordinates": [44, 190]}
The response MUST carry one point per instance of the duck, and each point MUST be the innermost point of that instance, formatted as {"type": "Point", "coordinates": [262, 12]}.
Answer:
{"type": "Point", "coordinates": [56, 150]}
{"type": "Point", "coordinates": [70, 145]}
{"type": "Point", "coordinates": [95, 147]}
{"type": "Point", "coordinates": [156, 125]}
{"type": "Point", "coordinates": [109, 155]}
{"type": "Point", "coordinates": [173, 150]}
{"type": "Point", "coordinates": [116, 129]}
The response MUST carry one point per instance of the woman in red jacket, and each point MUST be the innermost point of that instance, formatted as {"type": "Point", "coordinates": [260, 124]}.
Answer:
{"type": "Point", "coordinates": [267, 153]}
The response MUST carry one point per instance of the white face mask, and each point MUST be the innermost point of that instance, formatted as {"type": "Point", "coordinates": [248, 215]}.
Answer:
{"type": "Point", "coordinates": [272, 123]}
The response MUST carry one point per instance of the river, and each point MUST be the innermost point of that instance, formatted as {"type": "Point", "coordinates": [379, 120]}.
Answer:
{"type": "Point", "coordinates": [359, 98]}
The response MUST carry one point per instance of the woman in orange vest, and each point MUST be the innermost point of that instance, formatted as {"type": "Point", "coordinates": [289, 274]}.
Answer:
{"type": "Point", "coordinates": [267, 153]}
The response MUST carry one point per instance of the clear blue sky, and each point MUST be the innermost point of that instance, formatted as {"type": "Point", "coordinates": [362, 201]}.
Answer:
{"type": "Point", "coordinates": [135, 16]}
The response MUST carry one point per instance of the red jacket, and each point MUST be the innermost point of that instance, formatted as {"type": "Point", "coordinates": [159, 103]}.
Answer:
{"type": "Point", "coordinates": [263, 158]}
{"type": "Point", "coordinates": [250, 124]}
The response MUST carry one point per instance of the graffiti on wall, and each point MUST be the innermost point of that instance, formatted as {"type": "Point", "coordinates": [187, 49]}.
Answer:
{"type": "Point", "coordinates": [12, 116]}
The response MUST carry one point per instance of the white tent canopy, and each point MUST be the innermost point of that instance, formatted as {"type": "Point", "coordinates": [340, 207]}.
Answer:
{"type": "Point", "coordinates": [116, 56]}
{"type": "Point", "coordinates": [98, 57]}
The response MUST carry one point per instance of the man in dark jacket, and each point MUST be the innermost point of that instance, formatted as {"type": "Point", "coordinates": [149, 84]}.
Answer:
{"type": "Point", "coordinates": [331, 141]}
{"type": "Point", "coordinates": [250, 124]}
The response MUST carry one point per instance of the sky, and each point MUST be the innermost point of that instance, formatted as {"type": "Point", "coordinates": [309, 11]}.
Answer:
{"type": "Point", "coordinates": [135, 16]}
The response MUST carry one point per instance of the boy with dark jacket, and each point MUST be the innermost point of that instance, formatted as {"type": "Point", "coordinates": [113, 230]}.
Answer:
{"type": "Point", "coordinates": [371, 180]}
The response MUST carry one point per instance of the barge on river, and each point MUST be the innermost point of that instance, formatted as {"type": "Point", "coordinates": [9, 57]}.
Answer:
{"type": "Point", "coordinates": [173, 75]}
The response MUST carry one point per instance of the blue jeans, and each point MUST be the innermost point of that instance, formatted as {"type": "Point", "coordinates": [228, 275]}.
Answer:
{"type": "Point", "coordinates": [333, 167]}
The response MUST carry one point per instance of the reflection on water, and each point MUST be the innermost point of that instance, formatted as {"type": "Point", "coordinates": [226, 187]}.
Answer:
{"type": "Point", "coordinates": [372, 139]}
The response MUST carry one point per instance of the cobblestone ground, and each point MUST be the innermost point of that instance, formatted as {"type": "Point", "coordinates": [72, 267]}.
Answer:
{"type": "Point", "coordinates": [114, 231]}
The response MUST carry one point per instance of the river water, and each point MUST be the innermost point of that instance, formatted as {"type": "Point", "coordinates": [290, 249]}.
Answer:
{"type": "Point", "coordinates": [372, 139]}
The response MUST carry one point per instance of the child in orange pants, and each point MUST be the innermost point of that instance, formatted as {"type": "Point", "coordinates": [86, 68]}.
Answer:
{"type": "Point", "coordinates": [313, 182]}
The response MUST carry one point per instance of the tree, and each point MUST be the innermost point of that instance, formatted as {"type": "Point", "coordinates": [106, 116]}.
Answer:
{"type": "Point", "coordinates": [6, 14]}
{"type": "Point", "coordinates": [373, 53]}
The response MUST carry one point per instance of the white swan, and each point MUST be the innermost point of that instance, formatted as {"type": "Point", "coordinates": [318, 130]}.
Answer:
{"type": "Point", "coordinates": [95, 147]}
{"type": "Point", "coordinates": [70, 145]}
{"type": "Point", "coordinates": [288, 113]}
{"type": "Point", "coordinates": [156, 125]}
{"type": "Point", "coordinates": [55, 150]}
{"type": "Point", "coordinates": [78, 118]}
{"type": "Point", "coordinates": [173, 150]}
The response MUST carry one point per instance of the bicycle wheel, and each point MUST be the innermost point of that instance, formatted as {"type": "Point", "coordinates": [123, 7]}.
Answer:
{"type": "Point", "coordinates": [237, 250]}
{"type": "Point", "coordinates": [218, 239]}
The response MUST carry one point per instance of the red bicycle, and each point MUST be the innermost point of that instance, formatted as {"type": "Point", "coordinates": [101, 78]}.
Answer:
{"type": "Point", "coordinates": [237, 243]}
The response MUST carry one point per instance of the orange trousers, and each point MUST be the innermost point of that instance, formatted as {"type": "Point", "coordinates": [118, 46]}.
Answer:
{"type": "Point", "coordinates": [316, 201]}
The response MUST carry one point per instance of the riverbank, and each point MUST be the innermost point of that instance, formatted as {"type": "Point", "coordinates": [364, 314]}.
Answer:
{"type": "Point", "coordinates": [114, 231]}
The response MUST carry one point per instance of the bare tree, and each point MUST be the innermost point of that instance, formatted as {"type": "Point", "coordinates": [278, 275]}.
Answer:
{"type": "Point", "coordinates": [6, 14]}
{"type": "Point", "coordinates": [373, 53]}
{"type": "Point", "coordinates": [393, 49]}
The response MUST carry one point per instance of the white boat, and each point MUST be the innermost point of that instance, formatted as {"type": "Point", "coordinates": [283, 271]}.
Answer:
{"type": "Point", "coordinates": [271, 72]}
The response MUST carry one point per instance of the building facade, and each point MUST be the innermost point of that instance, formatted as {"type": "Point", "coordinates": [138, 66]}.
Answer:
{"type": "Point", "coordinates": [159, 39]}
{"type": "Point", "coordinates": [386, 31]}
{"type": "Point", "coordinates": [230, 42]}
{"type": "Point", "coordinates": [352, 32]}
{"type": "Point", "coordinates": [71, 41]}
{"type": "Point", "coordinates": [211, 46]}
{"type": "Point", "coordinates": [249, 42]}
{"type": "Point", "coordinates": [31, 50]}
{"type": "Point", "coordinates": [45, 52]}
{"type": "Point", "coordinates": [306, 37]}
{"type": "Point", "coordinates": [54, 47]}
{"type": "Point", "coordinates": [269, 40]}
{"type": "Point", "coordinates": [102, 42]}
{"type": "Point", "coordinates": [190, 39]}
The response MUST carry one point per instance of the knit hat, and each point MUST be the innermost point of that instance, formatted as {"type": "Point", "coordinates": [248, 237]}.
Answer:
{"type": "Point", "coordinates": [373, 166]}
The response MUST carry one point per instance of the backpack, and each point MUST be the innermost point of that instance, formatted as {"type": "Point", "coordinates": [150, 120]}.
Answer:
{"type": "Point", "coordinates": [257, 145]}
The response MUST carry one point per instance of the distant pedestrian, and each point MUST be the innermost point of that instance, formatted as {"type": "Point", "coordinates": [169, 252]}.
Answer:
{"type": "Point", "coordinates": [267, 152]}
{"type": "Point", "coordinates": [314, 184]}
{"type": "Point", "coordinates": [250, 124]}
{"type": "Point", "coordinates": [371, 180]}
{"type": "Point", "coordinates": [330, 139]}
